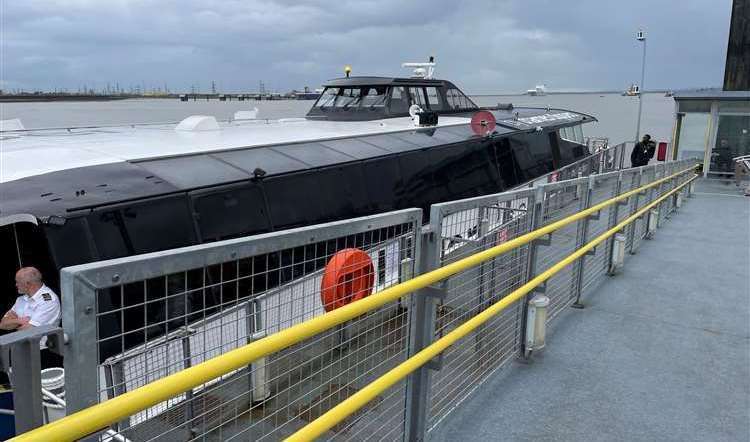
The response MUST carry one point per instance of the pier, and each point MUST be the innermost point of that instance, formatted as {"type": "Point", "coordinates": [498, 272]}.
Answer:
{"type": "Point", "coordinates": [660, 352]}
{"type": "Point", "coordinates": [640, 286]}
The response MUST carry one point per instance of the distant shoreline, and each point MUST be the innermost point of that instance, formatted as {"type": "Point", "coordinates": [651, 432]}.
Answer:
{"type": "Point", "coordinates": [566, 93]}
{"type": "Point", "coordinates": [30, 98]}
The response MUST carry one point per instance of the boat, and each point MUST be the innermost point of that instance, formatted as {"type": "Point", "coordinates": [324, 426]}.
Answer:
{"type": "Point", "coordinates": [367, 145]}
{"type": "Point", "coordinates": [632, 91]}
{"type": "Point", "coordinates": [538, 91]}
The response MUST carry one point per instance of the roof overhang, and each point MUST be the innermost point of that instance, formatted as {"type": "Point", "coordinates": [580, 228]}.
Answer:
{"type": "Point", "coordinates": [713, 95]}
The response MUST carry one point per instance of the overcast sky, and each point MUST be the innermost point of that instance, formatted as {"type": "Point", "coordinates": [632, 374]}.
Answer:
{"type": "Point", "coordinates": [483, 46]}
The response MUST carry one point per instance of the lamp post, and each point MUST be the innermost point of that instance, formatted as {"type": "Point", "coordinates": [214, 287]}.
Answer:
{"type": "Point", "coordinates": [641, 36]}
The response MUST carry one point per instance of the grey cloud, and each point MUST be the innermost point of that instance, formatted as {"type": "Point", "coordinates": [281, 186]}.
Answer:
{"type": "Point", "coordinates": [485, 46]}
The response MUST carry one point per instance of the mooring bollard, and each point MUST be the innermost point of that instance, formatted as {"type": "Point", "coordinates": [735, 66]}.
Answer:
{"type": "Point", "coordinates": [536, 323]}
{"type": "Point", "coordinates": [653, 223]}
{"type": "Point", "coordinates": [618, 253]}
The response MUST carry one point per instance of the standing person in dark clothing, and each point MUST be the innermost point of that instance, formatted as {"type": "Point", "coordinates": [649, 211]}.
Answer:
{"type": "Point", "coordinates": [642, 152]}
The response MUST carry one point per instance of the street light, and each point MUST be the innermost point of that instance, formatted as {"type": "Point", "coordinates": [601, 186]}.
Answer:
{"type": "Point", "coordinates": [641, 36]}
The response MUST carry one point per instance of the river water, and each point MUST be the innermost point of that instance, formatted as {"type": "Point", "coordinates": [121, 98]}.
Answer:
{"type": "Point", "coordinates": [616, 114]}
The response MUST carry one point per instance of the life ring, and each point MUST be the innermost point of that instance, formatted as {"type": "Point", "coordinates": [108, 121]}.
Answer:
{"type": "Point", "coordinates": [349, 276]}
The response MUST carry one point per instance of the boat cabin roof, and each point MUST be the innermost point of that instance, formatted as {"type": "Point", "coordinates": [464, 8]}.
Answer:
{"type": "Point", "coordinates": [386, 81]}
{"type": "Point", "coordinates": [60, 171]}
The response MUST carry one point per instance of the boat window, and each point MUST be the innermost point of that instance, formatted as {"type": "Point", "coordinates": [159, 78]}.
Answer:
{"type": "Point", "coordinates": [417, 97]}
{"type": "Point", "coordinates": [230, 212]}
{"type": "Point", "coordinates": [399, 102]}
{"type": "Point", "coordinates": [365, 96]}
{"type": "Point", "coordinates": [373, 96]}
{"type": "Point", "coordinates": [436, 103]}
{"type": "Point", "coordinates": [578, 133]}
{"type": "Point", "coordinates": [572, 133]}
{"type": "Point", "coordinates": [159, 224]}
{"type": "Point", "coordinates": [458, 101]}
{"type": "Point", "coordinates": [327, 97]}
{"type": "Point", "coordinates": [348, 97]}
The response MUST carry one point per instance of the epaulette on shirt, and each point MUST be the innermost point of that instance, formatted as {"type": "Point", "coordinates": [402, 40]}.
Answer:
{"type": "Point", "coordinates": [46, 296]}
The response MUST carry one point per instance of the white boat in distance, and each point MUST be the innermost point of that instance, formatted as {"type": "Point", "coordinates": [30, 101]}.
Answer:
{"type": "Point", "coordinates": [538, 91]}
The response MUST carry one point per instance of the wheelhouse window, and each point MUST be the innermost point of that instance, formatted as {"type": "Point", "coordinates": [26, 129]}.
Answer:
{"type": "Point", "coordinates": [399, 100]}
{"type": "Point", "coordinates": [572, 133]}
{"type": "Point", "coordinates": [352, 97]}
{"type": "Point", "coordinates": [457, 101]}
{"type": "Point", "coordinates": [417, 97]}
{"type": "Point", "coordinates": [373, 96]}
{"type": "Point", "coordinates": [433, 97]}
{"type": "Point", "coordinates": [348, 97]}
{"type": "Point", "coordinates": [327, 98]}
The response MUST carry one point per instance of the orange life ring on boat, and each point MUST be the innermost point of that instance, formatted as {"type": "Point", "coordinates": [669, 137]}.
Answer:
{"type": "Point", "coordinates": [348, 277]}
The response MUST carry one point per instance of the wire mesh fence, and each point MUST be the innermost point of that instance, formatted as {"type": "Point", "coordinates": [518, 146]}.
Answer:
{"type": "Point", "coordinates": [139, 319]}
{"type": "Point", "coordinates": [150, 326]}
{"type": "Point", "coordinates": [466, 229]}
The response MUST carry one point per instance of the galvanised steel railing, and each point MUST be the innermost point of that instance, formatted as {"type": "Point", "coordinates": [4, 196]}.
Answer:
{"type": "Point", "coordinates": [231, 339]}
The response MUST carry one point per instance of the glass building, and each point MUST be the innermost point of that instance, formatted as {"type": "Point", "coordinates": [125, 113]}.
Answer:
{"type": "Point", "coordinates": [713, 125]}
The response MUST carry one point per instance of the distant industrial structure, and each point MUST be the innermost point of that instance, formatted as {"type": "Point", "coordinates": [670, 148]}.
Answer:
{"type": "Point", "coordinates": [115, 93]}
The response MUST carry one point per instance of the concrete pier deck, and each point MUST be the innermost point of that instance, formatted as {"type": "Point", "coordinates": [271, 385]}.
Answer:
{"type": "Point", "coordinates": [661, 351]}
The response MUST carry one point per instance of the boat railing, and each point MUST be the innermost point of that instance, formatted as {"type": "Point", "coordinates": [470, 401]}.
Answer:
{"type": "Point", "coordinates": [449, 306]}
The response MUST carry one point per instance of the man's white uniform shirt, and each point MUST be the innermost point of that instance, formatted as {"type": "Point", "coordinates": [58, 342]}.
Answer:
{"type": "Point", "coordinates": [42, 308]}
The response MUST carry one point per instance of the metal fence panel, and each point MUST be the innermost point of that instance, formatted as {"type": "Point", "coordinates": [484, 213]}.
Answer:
{"type": "Point", "coordinates": [157, 314]}
{"type": "Point", "coordinates": [465, 228]}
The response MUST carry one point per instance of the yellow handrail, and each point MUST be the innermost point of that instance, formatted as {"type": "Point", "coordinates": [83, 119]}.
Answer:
{"type": "Point", "coordinates": [378, 386]}
{"type": "Point", "coordinates": [99, 416]}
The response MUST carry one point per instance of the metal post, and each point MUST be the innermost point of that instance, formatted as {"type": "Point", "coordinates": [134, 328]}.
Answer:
{"type": "Point", "coordinates": [622, 154]}
{"type": "Point", "coordinates": [634, 208]}
{"type": "Point", "coordinates": [641, 36]}
{"type": "Point", "coordinates": [422, 314]}
{"type": "Point", "coordinates": [615, 213]}
{"type": "Point", "coordinates": [82, 350]}
{"type": "Point", "coordinates": [483, 286]}
{"type": "Point", "coordinates": [189, 397]}
{"type": "Point", "coordinates": [662, 188]}
{"type": "Point", "coordinates": [535, 218]}
{"type": "Point", "coordinates": [581, 234]}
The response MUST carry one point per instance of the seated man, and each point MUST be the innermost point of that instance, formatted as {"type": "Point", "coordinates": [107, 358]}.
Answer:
{"type": "Point", "coordinates": [37, 305]}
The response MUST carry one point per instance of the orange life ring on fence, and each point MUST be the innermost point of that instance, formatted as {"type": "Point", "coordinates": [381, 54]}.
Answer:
{"type": "Point", "coordinates": [348, 277]}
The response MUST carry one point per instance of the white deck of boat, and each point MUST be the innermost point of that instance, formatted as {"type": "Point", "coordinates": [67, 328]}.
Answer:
{"type": "Point", "coordinates": [29, 153]}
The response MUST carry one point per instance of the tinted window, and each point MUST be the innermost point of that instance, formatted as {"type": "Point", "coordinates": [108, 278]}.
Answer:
{"type": "Point", "coordinates": [467, 171]}
{"type": "Point", "coordinates": [433, 97]}
{"type": "Point", "coordinates": [383, 178]}
{"type": "Point", "coordinates": [373, 96]}
{"type": "Point", "coordinates": [107, 229]}
{"type": "Point", "coordinates": [567, 150]}
{"type": "Point", "coordinates": [69, 244]}
{"type": "Point", "coordinates": [365, 96]}
{"type": "Point", "coordinates": [503, 158]}
{"type": "Point", "coordinates": [347, 97]}
{"type": "Point", "coordinates": [456, 100]}
{"type": "Point", "coordinates": [533, 154]}
{"type": "Point", "coordinates": [399, 103]}
{"type": "Point", "coordinates": [314, 197]}
{"type": "Point", "coordinates": [159, 224]}
{"type": "Point", "coordinates": [328, 97]}
{"type": "Point", "coordinates": [230, 212]}
{"type": "Point", "coordinates": [417, 97]}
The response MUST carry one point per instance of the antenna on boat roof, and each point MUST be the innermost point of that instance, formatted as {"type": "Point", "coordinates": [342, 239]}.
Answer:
{"type": "Point", "coordinates": [422, 70]}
